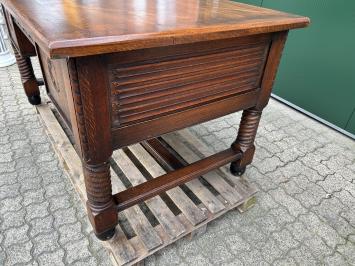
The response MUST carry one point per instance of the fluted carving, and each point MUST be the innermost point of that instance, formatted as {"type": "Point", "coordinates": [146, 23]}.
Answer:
{"type": "Point", "coordinates": [79, 111]}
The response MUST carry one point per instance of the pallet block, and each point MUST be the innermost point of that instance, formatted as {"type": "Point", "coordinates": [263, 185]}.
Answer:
{"type": "Point", "coordinates": [186, 210]}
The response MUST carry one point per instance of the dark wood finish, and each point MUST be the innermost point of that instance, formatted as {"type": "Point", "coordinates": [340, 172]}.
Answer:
{"type": "Point", "coordinates": [120, 72]}
{"type": "Point", "coordinates": [277, 46]}
{"type": "Point", "coordinates": [251, 117]}
{"type": "Point", "coordinates": [19, 40]}
{"type": "Point", "coordinates": [192, 76]}
{"type": "Point", "coordinates": [145, 130]}
{"type": "Point", "coordinates": [56, 77]}
{"type": "Point", "coordinates": [90, 102]}
{"type": "Point", "coordinates": [245, 140]}
{"type": "Point", "coordinates": [28, 78]}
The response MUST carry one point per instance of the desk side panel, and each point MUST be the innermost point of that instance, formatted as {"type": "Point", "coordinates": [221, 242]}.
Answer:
{"type": "Point", "coordinates": [56, 76]}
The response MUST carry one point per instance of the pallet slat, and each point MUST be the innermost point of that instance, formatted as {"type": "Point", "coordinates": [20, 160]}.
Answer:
{"type": "Point", "coordinates": [157, 206]}
{"type": "Point", "coordinates": [227, 192]}
{"type": "Point", "coordinates": [139, 222]}
{"type": "Point", "coordinates": [194, 214]}
{"type": "Point", "coordinates": [164, 156]}
{"type": "Point", "coordinates": [243, 188]}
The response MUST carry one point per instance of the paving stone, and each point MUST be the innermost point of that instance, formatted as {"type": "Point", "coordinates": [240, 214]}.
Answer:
{"type": "Point", "coordinates": [196, 259]}
{"type": "Point", "coordinates": [219, 254]}
{"type": "Point", "coordinates": [319, 227]}
{"type": "Point", "coordinates": [252, 257]}
{"type": "Point", "coordinates": [270, 251]}
{"type": "Point", "coordinates": [293, 206]}
{"type": "Point", "coordinates": [312, 196]}
{"type": "Point", "coordinates": [37, 210]}
{"type": "Point", "coordinates": [19, 253]}
{"type": "Point", "coordinates": [64, 216]}
{"type": "Point", "coordinates": [91, 261]}
{"type": "Point", "coordinates": [59, 202]}
{"type": "Point", "coordinates": [168, 256]}
{"type": "Point", "coordinates": [10, 204]}
{"type": "Point", "coordinates": [16, 235]}
{"type": "Point", "coordinates": [41, 225]}
{"type": "Point", "coordinates": [77, 250]}
{"type": "Point", "coordinates": [348, 251]}
{"type": "Point", "coordinates": [284, 239]}
{"type": "Point", "coordinates": [335, 260]}
{"type": "Point", "coordinates": [269, 165]}
{"type": "Point", "coordinates": [318, 248]}
{"type": "Point", "coordinates": [237, 244]}
{"type": "Point", "coordinates": [51, 258]}
{"type": "Point", "coordinates": [291, 187]}
{"type": "Point", "coordinates": [253, 235]}
{"type": "Point", "coordinates": [70, 232]}
{"type": "Point", "coordinates": [285, 262]}
{"type": "Point", "coordinates": [30, 183]}
{"type": "Point", "coordinates": [55, 189]}
{"type": "Point", "coordinates": [33, 197]}
{"type": "Point", "coordinates": [226, 133]}
{"type": "Point", "coordinates": [12, 219]}
{"type": "Point", "coordinates": [45, 243]}
{"type": "Point", "coordinates": [303, 256]}
{"type": "Point", "coordinates": [268, 223]}
{"type": "Point", "coordinates": [299, 231]}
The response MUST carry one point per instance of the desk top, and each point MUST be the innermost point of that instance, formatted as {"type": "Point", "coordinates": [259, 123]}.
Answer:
{"type": "Point", "coordinates": [70, 28]}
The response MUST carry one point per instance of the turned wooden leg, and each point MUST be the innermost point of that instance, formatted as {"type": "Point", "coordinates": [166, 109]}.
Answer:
{"type": "Point", "coordinates": [28, 78]}
{"type": "Point", "coordinates": [245, 140]}
{"type": "Point", "coordinates": [102, 211]}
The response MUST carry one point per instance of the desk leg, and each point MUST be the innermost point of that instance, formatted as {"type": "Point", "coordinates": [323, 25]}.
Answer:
{"type": "Point", "coordinates": [101, 208]}
{"type": "Point", "coordinates": [28, 78]}
{"type": "Point", "coordinates": [245, 140]}
{"type": "Point", "coordinates": [89, 103]}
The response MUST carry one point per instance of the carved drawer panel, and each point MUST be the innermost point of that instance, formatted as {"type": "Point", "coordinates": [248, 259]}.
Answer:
{"type": "Point", "coordinates": [149, 89]}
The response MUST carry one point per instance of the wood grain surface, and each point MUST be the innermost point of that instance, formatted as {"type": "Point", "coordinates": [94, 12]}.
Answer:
{"type": "Point", "coordinates": [78, 28]}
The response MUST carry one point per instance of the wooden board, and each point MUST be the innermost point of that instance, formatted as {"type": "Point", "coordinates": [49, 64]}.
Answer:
{"type": "Point", "coordinates": [79, 28]}
{"type": "Point", "coordinates": [148, 227]}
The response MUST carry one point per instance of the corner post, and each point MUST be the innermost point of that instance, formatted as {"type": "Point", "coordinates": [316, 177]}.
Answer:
{"type": "Point", "coordinates": [251, 117]}
{"type": "Point", "coordinates": [90, 117]}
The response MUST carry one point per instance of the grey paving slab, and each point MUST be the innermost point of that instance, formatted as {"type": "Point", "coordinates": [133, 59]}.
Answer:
{"type": "Point", "coordinates": [304, 216]}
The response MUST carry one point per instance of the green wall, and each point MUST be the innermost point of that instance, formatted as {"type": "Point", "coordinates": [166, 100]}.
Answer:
{"type": "Point", "coordinates": [251, 2]}
{"type": "Point", "coordinates": [317, 71]}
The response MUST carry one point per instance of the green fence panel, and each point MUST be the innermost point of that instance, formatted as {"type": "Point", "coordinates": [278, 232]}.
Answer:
{"type": "Point", "coordinates": [351, 124]}
{"type": "Point", "coordinates": [317, 71]}
{"type": "Point", "coordinates": [251, 2]}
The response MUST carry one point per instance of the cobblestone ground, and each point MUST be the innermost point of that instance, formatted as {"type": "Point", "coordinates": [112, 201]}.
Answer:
{"type": "Point", "coordinates": [305, 213]}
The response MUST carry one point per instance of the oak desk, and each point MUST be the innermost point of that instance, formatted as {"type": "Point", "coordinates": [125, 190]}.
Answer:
{"type": "Point", "coordinates": [120, 72]}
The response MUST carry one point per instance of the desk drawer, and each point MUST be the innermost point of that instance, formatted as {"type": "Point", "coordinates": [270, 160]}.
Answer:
{"type": "Point", "coordinates": [156, 83]}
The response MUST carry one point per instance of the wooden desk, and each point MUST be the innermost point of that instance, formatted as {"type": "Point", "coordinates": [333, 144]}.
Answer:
{"type": "Point", "coordinates": [120, 72]}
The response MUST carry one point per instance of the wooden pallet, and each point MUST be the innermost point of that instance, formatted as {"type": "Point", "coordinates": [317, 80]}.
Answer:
{"type": "Point", "coordinates": [146, 228]}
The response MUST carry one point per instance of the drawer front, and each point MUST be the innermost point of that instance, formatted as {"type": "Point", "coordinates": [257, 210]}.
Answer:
{"type": "Point", "coordinates": [162, 84]}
